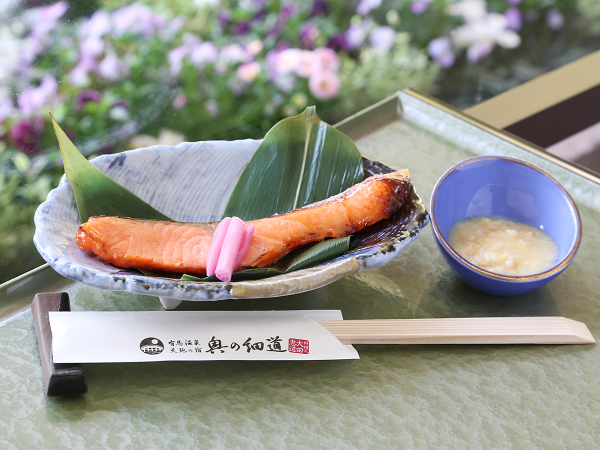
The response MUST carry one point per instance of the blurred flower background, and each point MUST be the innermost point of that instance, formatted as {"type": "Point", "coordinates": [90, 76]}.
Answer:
{"type": "Point", "coordinates": [119, 75]}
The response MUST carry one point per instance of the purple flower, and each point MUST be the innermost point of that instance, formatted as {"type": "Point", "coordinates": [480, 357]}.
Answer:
{"type": "Point", "coordinates": [365, 6]}
{"type": "Point", "coordinates": [260, 15]}
{"type": "Point", "coordinates": [446, 60]}
{"type": "Point", "coordinates": [271, 59]}
{"type": "Point", "coordinates": [33, 98]}
{"type": "Point", "coordinates": [241, 28]}
{"type": "Point", "coordinates": [514, 2]}
{"type": "Point", "coordinates": [26, 133]}
{"type": "Point", "coordinates": [338, 42]}
{"type": "Point", "coordinates": [136, 19]}
{"type": "Point", "coordinates": [91, 47]}
{"type": "Point", "coordinates": [382, 38]}
{"type": "Point", "coordinates": [478, 50]}
{"type": "Point", "coordinates": [79, 75]}
{"type": "Point", "coordinates": [554, 19]}
{"type": "Point", "coordinates": [48, 18]}
{"type": "Point", "coordinates": [531, 16]}
{"type": "Point", "coordinates": [224, 17]}
{"type": "Point", "coordinates": [440, 50]}
{"type": "Point", "coordinates": [308, 35]}
{"type": "Point", "coordinates": [319, 7]}
{"type": "Point", "coordinates": [418, 7]}
{"type": "Point", "coordinates": [203, 53]}
{"type": "Point", "coordinates": [284, 13]}
{"type": "Point", "coordinates": [355, 36]}
{"type": "Point", "coordinates": [175, 58]}
{"type": "Point", "coordinates": [6, 108]}
{"type": "Point", "coordinates": [281, 46]}
{"type": "Point", "coordinates": [85, 96]}
{"type": "Point", "coordinates": [121, 104]}
{"type": "Point", "coordinates": [45, 20]}
{"type": "Point", "coordinates": [514, 19]}
{"type": "Point", "coordinates": [287, 10]}
{"type": "Point", "coordinates": [98, 25]}
{"type": "Point", "coordinates": [233, 53]}
{"type": "Point", "coordinates": [111, 67]}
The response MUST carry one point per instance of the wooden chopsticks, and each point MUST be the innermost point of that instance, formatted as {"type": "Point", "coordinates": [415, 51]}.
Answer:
{"type": "Point", "coordinates": [479, 330]}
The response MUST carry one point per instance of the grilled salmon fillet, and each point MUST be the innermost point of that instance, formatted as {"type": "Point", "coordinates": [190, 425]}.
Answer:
{"type": "Point", "coordinates": [183, 247]}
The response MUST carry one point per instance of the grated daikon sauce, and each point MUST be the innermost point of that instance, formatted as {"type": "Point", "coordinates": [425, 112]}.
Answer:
{"type": "Point", "coordinates": [504, 246]}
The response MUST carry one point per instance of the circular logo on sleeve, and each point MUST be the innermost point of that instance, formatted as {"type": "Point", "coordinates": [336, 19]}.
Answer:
{"type": "Point", "coordinates": [151, 346]}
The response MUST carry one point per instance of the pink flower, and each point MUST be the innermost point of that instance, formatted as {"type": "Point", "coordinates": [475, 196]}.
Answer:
{"type": "Point", "coordinates": [324, 84]}
{"type": "Point", "coordinates": [247, 72]}
{"type": "Point", "coordinates": [288, 60]}
{"type": "Point", "coordinates": [255, 47]}
{"type": "Point", "coordinates": [306, 64]}
{"type": "Point", "coordinates": [326, 59]}
{"type": "Point", "coordinates": [212, 107]}
{"type": "Point", "coordinates": [179, 101]}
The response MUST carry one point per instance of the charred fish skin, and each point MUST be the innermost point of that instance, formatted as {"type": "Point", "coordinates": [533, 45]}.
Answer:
{"type": "Point", "coordinates": [183, 247]}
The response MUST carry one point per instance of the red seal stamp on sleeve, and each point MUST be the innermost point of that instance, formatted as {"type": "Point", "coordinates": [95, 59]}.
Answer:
{"type": "Point", "coordinates": [298, 346]}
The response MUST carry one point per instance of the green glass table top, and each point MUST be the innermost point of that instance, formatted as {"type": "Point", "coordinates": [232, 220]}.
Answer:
{"type": "Point", "coordinates": [395, 396]}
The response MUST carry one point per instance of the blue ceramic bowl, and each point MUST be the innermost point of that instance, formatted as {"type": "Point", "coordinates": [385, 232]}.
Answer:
{"type": "Point", "coordinates": [497, 186]}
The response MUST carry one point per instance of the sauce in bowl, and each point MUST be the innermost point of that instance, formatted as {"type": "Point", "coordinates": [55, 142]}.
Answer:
{"type": "Point", "coordinates": [503, 246]}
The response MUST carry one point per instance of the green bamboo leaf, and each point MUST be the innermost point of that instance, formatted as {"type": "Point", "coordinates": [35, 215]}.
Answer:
{"type": "Point", "coordinates": [319, 253]}
{"type": "Point", "coordinates": [300, 161]}
{"type": "Point", "coordinates": [301, 259]}
{"type": "Point", "coordinates": [97, 194]}
{"type": "Point", "coordinates": [247, 274]}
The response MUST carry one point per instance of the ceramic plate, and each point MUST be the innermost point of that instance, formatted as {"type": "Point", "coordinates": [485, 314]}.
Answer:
{"type": "Point", "coordinates": [191, 183]}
